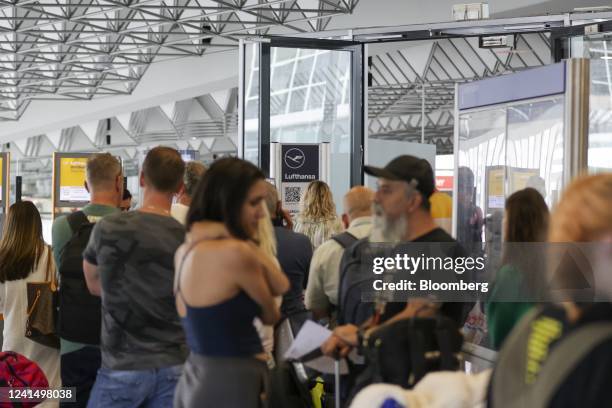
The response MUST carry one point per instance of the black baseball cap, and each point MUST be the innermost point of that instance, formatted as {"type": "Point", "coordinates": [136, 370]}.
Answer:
{"type": "Point", "coordinates": [407, 168]}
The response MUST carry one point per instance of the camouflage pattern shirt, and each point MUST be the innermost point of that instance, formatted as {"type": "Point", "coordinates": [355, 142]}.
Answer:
{"type": "Point", "coordinates": [134, 253]}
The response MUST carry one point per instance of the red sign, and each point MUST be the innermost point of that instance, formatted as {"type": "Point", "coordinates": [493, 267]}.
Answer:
{"type": "Point", "coordinates": [444, 183]}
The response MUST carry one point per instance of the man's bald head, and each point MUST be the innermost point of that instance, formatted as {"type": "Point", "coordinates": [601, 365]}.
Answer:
{"type": "Point", "coordinates": [358, 202]}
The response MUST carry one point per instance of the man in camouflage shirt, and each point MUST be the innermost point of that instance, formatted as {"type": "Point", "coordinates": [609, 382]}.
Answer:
{"type": "Point", "coordinates": [129, 262]}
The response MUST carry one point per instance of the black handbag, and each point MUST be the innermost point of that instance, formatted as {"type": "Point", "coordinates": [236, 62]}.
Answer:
{"type": "Point", "coordinates": [42, 311]}
{"type": "Point", "coordinates": [403, 352]}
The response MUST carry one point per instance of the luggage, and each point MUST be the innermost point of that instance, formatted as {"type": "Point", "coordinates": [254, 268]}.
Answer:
{"type": "Point", "coordinates": [403, 352]}
{"type": "Point", "coordinates": [79, 317]}
{"type": "Point", "coordinates": [16, 372]}
{"type": "Point", "coordinates": [294, 384]}
{"type": "Point", "coordinates": [290, 381]}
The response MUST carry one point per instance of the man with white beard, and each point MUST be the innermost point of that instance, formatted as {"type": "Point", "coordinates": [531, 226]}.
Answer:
{"type": "Point", "coordinates": [401, 214]}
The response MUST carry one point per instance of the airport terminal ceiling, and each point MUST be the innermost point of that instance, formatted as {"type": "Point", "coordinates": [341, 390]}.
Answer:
{"type": "Point", "coordinates": [84, 49]}
{"type": "Point", "coordinates": [92, 50]}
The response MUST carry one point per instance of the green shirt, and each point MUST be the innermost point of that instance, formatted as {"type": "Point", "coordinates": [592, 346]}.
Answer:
{"type": "Point", "coordinates": [503, 309]}
{"type": "Point", "coordinates": [60, 235]}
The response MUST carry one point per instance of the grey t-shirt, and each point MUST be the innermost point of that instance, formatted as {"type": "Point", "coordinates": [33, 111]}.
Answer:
{"type": "Point", "coordinates": [134, 252]}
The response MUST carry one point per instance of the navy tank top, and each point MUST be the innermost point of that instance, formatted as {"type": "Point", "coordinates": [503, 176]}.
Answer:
{"type": "Point", "coordinates": [222, 330]}
{"type": "Point", "coordinates": [225, 329]}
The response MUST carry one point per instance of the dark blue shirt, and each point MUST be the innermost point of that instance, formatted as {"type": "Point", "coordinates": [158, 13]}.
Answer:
{"type": "Point", "coordinates": [225, 329]}
{"type": "Point", "coordinates": [294, 253]}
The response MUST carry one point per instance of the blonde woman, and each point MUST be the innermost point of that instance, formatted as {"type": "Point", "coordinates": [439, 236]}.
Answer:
{"type": "Point", "coordinates": [583, 215]}
{"type": "Point", "coordinates": [265, 234]}
{"type": "Point", "coordinates": [318, 219]}
{"type": "Point", "coordinates": [267, 243]}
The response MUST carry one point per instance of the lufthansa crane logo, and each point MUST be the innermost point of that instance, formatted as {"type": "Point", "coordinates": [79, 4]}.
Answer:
{"type": "Point", "coordinates": [294, 158]}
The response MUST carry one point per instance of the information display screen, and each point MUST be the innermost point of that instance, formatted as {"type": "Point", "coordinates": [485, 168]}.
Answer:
{"type": "Point", "coordinates": [520, 178]}
{"type": "Point", "coordinates": [72, 179]}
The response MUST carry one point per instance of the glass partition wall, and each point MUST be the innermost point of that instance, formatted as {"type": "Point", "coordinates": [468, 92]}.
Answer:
{"type": "Point", "coordinates": [529, 129]}
{"type": "Point", "coordinates": [539, 128]}
{"type": "Point", "coordinates": [304, 91]}
{"type": "Point", "coordinates": [508, 137]}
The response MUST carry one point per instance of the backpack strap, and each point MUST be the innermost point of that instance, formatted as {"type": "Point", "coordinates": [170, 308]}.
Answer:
{"type": "Point", "coordinates": [345, 239]}
{"type": "Point", "coordinates": [76, 220]}
{"type": "Point", "coordinates": [565, 357]}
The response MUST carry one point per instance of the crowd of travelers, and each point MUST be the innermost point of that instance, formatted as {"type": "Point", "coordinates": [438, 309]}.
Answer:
{"type": "Point", "coordinates": [178, 302]}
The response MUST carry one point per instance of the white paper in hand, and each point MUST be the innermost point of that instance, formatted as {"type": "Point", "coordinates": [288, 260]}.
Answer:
{"type": "Point", "coordinates": [311, 337]}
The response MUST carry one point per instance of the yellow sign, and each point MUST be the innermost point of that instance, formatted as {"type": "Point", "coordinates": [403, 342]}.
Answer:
{"type": "Point", "coordinates": [496, 187]}
{"type": "Point", "coordinates": [72, 179]}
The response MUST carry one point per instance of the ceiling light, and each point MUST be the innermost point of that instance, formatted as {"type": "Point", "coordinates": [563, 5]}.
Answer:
{"type": "Point", "coordinates": [383, 36]}
{"type": "Point", "coordinates": [528, 27]}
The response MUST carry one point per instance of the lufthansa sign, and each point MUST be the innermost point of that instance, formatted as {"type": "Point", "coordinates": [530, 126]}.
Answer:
{"type": "Point", "coordinates": [300, 163]}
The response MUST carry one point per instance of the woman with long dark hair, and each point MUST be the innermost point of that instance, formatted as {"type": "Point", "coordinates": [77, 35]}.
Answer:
{"type": "Point", "coordinates": [24, 257]}
{"type": "Point", "coordinates": [520, 277]}
{"type": "Point", "coordinates": [224, 280]}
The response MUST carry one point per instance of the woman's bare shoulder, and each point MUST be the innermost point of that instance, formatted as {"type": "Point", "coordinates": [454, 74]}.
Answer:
{"type": "Point", "coordinates": [230, 251]}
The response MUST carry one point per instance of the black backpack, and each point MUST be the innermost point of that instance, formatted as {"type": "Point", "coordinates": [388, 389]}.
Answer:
{"type": "Point", "coordinates": [354, 281]}
{"type": "Point", "coordinates": [79, 317]}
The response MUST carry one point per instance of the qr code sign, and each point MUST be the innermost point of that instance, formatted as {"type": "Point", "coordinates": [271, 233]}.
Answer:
{"type": "Point", "coordinates": [293, 194]}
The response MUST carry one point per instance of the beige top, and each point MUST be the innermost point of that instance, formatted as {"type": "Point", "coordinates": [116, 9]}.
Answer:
{"type": "Point", "coordinates": [179, 212]}
{"type": "Point", "coordinates": [324, 274]}
{"type": "Point", "coordinates": [318, 231]}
